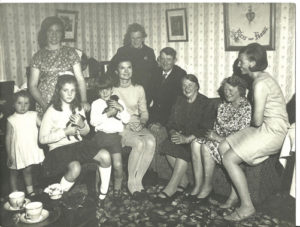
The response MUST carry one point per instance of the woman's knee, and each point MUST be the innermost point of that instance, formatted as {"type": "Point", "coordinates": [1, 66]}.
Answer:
{"type": "Point", "coordinates": [227, 160]}
{"type": "Point", "coordinates": [223, 147]}
{"type": "Point", "coordinates": [75, 168]}
{"type": "Point", "coordinates": [138, 144]}
{"type": "Point", "coordinates": [103, 158]}
{"type": "Point", "coordinates": [195, 148]}
{"type": "Point", "coordinates": [150, 141]}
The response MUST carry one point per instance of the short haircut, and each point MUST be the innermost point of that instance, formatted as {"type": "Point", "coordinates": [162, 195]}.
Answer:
{"type": "Point", "coordinates": [193, 78]}
{"type": "Point", "coordinates": [19, 94]}
{"type": "Point", "coordinates": [256, 52]}
{"type": "Point", "coordinates": [104, 82]}
{"type": "Point", "coordinates": [169, 51]}
{"type": "Point", "coordinates": [234, 81]}
{"type": "Point", "coordinates": [46, 24]}
{"type": "Point", "coordinates": [123, 59]}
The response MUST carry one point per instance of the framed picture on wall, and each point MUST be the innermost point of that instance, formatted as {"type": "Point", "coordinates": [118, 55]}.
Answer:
{"type": "Point", "coordinates": [176, 25]}
{"type": "Point", "coordinates": [69, 19]}
{"type": "Point", "coordinates": [246, 23]}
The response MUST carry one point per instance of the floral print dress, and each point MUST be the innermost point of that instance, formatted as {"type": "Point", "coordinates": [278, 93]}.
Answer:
{"type": "Point", "coordinates": [229, 120]}
{"type": "Point", "coordinates": [51, 64]}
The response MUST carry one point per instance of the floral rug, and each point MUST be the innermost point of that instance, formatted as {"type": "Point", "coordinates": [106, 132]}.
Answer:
{"type": "Point", "coordinates": [181, 212]}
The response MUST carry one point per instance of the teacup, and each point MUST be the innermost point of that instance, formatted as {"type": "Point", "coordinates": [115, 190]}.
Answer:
{"type": "Point", "coordinates": [33, 210]}
{"type": "Point", "coordinates": [16, 199]}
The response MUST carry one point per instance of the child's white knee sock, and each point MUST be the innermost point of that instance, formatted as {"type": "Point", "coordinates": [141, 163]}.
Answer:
{"type": "Point", "coordinates": [66, 185]}
{"type": "Point", "coordinates": [105, 177]}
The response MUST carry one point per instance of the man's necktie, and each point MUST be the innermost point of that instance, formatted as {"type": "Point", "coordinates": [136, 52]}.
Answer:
{"type": "Point", "coordinates": [164, 77]}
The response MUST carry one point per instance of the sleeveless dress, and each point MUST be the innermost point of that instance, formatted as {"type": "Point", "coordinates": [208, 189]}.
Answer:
{"type": "Point", "coordinates": [24, 146]}
{"type": "Point", "coordinates": [51, 64]}
{"type": "Point", "coordinates": [256, 144]}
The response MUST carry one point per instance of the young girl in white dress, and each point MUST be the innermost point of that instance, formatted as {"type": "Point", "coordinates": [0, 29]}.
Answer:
{"type": "Point", "coordinates": [22, 142]}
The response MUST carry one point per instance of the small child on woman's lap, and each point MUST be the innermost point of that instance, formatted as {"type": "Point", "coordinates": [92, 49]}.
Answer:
{"type": "Point", "coordinates": [22, 142]}
{"type": "Point", "coordinates": [108, 114]}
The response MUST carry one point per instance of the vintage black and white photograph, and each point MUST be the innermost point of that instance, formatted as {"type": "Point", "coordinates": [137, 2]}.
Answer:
{"type": "Point", "coordinates": [163, 114]}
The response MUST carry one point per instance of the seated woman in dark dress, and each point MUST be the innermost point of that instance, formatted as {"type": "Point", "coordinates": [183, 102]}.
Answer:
{"type": "Point", "coordinates": [185, 124]}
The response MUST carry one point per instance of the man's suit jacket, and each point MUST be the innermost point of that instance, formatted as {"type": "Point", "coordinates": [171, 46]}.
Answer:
{"type": "Point", "coordinates": [164, 94]}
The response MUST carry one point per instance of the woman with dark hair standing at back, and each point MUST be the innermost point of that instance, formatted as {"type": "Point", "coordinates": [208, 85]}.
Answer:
{"type": "Point", "coordinates": [142, 58]}
{"type": "Point", "coordinates": [52, 60]}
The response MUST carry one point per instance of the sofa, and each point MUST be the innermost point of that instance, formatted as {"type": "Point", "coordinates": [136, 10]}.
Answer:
{"type": "Point", "coordinates": [263, 179]}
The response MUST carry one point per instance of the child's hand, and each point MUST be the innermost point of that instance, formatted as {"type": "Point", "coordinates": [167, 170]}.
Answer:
{"type": "Point", "coordinates": [111, 112]}
{"type": "Point", "coordinates": [77, 120]}
{"type": "Point", "coordinates": [71, 130]}
{"type": "Point", "coordinates": [115, 104]}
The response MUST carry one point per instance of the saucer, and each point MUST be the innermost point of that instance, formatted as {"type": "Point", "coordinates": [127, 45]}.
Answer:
{"type": "Point", "coordinates": [10, 208]}
{"type": "Point", "coordinates": [44, 215]}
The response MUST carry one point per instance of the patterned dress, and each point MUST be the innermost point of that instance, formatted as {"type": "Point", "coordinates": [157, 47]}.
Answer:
{"type": "Point", "coordinates": [229, 120]}
{"type": "Point", "coordinates": [51, 64]}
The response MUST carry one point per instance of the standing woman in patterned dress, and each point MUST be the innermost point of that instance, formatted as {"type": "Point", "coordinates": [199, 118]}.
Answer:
{"type": "Point", "coordinates": [269, 126]}
{"type": "Point", "coordinates": [52, 60]}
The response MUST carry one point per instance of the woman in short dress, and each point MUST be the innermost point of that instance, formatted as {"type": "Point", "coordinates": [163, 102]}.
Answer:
{"type": "Point", "coordinates": [268, 128]}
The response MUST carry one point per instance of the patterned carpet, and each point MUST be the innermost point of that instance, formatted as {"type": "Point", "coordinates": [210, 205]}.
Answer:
{"type": "Point", "coordinates": [181, 212]}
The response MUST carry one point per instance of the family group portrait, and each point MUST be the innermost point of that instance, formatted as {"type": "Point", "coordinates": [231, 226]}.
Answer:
{"type": "Point", "coordinates": [148, 114]}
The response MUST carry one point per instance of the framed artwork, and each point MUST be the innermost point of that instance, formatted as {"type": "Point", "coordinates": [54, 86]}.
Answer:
{"type": "Point", "coordinates": [69, 19]}
{"type": "Point", "coordinates": [246, 23]}
{"type": "Point", "coordinates": [177, 25]}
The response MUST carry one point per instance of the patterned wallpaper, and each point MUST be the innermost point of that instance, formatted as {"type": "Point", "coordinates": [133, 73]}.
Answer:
{"type": "Point", "coordinates": [101, 27]}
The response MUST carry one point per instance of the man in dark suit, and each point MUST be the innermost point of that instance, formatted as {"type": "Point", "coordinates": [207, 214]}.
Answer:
{"type": "Point", "coordinates": [165, 87]}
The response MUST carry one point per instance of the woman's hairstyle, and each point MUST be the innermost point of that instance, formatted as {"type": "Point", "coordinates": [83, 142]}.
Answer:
{"type": "Point", "coordinates": [234, 81]}
{"type": "Point", "coordinates": [56, 100]}
{"type": "Point", "coordinates": [135, 27]}
{"type": "Point", "coordinates": [236, 69]}
{"type": "Point", "coordinates": [193, 78]}
{"type": "Point", "coordinates": [104, 82]}
{"type": "Point", "coordinates": [46, 24]}
{"type": "Point", "coordinates": [22, 93]}
{"type": "Point", "coordinates": [120, 60]}
{"type": "Point", "coordinates": [256, 52]}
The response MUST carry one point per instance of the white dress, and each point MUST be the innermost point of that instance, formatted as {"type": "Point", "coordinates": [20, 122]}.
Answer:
{"type": "Point", "coordinates": [24, 146]}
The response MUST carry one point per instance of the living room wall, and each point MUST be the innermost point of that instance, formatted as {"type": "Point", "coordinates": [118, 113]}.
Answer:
{"type": "Point", "coordinates": [101, 28]}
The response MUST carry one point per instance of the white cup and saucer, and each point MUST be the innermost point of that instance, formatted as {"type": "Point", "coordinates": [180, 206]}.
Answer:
{"type": "Point", "coordinates": [16, 201]}
{"type": "Point", "coordinates": [34, 213]}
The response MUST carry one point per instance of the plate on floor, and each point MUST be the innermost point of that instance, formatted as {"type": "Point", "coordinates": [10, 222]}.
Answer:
{"type": "Point", "coordinates": [44, 215]}
{"type": "Point", "coordinates": [8, 207]}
